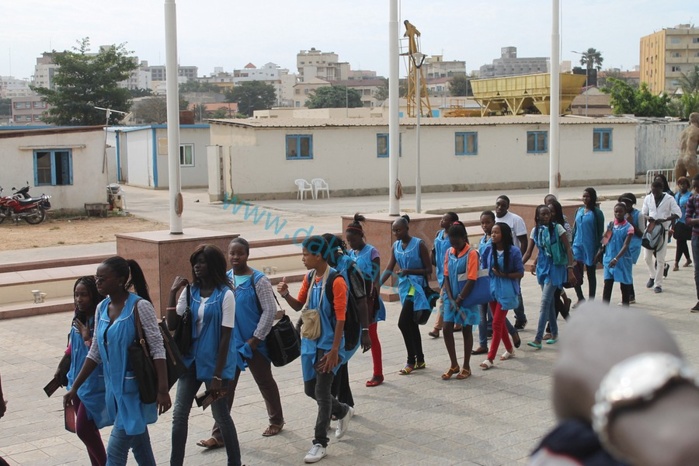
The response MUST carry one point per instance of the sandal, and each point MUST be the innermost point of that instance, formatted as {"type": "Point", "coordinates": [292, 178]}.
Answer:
{"type": "Point", "coordinates": [487, 364]}
{"type": "Point", "coordinates": [452, 370]}
{"type": "Point", "coordinates": [408, 369]}
{"type": "Point", "coordinates": [420, 365]}
{"type": "Point", "coordinates": [272, 430]}
{"type": "Point", "coordinates": [375, 381]}
{"type": "Point", "coordinates": [435, 332]}
{"type": "Point", "coordinates": [507, 355]}
{"type": "Point", "coordinates": [464, 374]}
{"type": "Point", "coordinates": [516, 340]}
{"type": "Point", "coordinates": [210, 444]}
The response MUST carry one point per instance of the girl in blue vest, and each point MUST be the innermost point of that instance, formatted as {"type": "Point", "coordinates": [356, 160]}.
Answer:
{"type": "Point", "coordinates": [503, 260]}
{"type": "Point", "coordinates": [554, 259]}
{"type": "Point", "coordinates": [461, 265]}
{"type": "Point", "coordinates": [213, 358]}
{"type": "Point", "coordinates": [321, 356]}
{"type": "Point", "coordinates": [439, 250]}
{"type": "Point", "coordinates": [367, 258]}
{"type": "Point", "coordinates": [413, 259]}
{"type": "Point", "coordinates": [617, 261]}
{"type": "Point", "coordinates": [115, 331]}
{"type": "Point", "coordinates": [637, 221]}
{"type": "Point", "coordinates": [587, 234]}
{"type": "Point", "coordinates": [90, 407]}
{"type": "Point", "coordinates": [255, 312]}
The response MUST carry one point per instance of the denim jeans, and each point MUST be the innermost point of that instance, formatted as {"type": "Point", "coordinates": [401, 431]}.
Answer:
{"type": "Point", "coordinates": [519, 310]}
{"type": "Point", "coordinates": [547, 313]}
{"type": "Point", "coordinates": [695, 255]}
{"type": "Point", "coordinates": [187, 387]}
{"type": "Point", "coordinates": [319, 389]}
{"type": "Point", "coordinates": [120, 443]}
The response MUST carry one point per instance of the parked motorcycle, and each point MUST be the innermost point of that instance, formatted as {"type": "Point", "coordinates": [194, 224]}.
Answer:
{"type": "Point", "coordinates": [21, 206]}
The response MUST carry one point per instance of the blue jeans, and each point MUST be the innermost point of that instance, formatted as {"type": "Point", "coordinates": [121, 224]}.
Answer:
{"type": "Point", "coordinates": [120, 443]}
{"type": "Point", "coordinates": [486, 324]}
{"type": "Point", "coordinates": [695, 254]}
{"type": "Point", "coordinates": [519, 311]}
{"type": "Point", "coordinates": [187, 388]}
{"type": "Point", "coordinates": [547, 313]}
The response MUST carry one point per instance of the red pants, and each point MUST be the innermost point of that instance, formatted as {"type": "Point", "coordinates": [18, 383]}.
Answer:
{"type": "Point", "coordinates": [499, 330]}
{"type": "Point", "coordinates": [375, 349]}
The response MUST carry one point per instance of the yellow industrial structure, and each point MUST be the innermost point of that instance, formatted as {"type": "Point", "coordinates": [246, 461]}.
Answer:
{"type": "Point", "coordinates": [515, 95]}
{"type": "Point", "coordinates": [413, 54]}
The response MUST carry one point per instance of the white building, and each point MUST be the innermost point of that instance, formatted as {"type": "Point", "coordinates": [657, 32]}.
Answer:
{"type": "Point", "coordinates": [12, 87]}
{"type": "Point", "coordinates": [44, 71]}
{"type": "Point", "coordinates": [273, 74]}
{"type": "Point", "coordinates": [510, 65]}
{"type": "Point", "coordinates": [436, 67]}
{"type": "Point", "coordinates": [322, 65]}
{"type": "Point", "coordinates": [351, 154]}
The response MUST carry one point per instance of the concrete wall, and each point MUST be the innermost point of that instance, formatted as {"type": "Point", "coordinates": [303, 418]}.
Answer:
{"type": "Point", "coordinates": [657, 145]}
{"type": "Point", "coordinates": [87, 148]}
{"type": "Point", "coordinates": [346, 157]}
{"type": "Point", "coordinates": [192, 177]}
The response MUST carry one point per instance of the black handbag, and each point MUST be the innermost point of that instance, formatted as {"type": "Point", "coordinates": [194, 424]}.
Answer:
{"type": "Point", "coordinates": [183, 332]}
{"type": "Point", "coordinates": [283, 342]}
{"type": "Point", "coordinates": [682, 232]}
{"type": "Point", "coordinates": [173, 358]}
{"type": "Point", "coordinates": [422, 316]}
{"type": "Point", "coordinates": [578, 273]}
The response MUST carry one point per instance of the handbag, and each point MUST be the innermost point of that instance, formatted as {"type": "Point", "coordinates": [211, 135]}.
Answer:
{"type": "Point", "coordinates": [422, 316]}
{"type": "Point", "coordinates": [311, 328]}
{"type": "Point", "coordinates": [578, 273]}
{"type": "Point", "coordinates": [654, 236]}
{"type": "Point", "coordinates": [283, 345]}
{"type": "Point", "coordinates": [183, 332]}
{"type": "Point", "coordinates": [173, 358]}
{"type": "Point", "coordinates": [682, 232]}
{"type": "Point", "coordinates": [480, 294]}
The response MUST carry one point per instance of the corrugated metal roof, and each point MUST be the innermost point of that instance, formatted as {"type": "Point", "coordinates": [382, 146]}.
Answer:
{"type": "Point", "coordinates": [359, 122]}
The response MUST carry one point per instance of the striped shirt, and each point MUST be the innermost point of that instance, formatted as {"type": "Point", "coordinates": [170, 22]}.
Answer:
{"type": "Point", "coordinates": [692, 211]}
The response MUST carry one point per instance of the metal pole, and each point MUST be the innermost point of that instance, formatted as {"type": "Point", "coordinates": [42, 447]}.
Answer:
{"type": "Point", "coordinates": [173, 118]}
{"type": "Point", "coordinates": [587, 77]}
{"type": "Point", "coordinates": [418, 184]}
{"type": "Point", "coordinates": [393, 122]}
{"type": "Point", "coordinates": [555, 108]}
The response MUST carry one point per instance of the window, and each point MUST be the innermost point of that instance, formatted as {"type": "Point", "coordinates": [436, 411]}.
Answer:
{"type": "Point", "coordinates": [39, 104]}
{"type": "Point", "coordinates": [466, 143]}
{"type": "Point", "coordinates": [186, 155]}
{"type": "Point", "coordinates": [695, 40]}
{"type": "Point", "coordinates": [22, 105]}
{"type": "Point", "coordinates": [53, 167]}
{"type": "Point", "coordinates": [676, 68]}
{"type": "Point", "coordinates": [382, 145]}
{"type": "Point", "coordinates": [299, 146]}
{"type": "Point", "coordinates": [602, 139]}
{"type": "Point", "coordinates": [675, 40]}
{"type": "Point", "coordinates": [537, 142]}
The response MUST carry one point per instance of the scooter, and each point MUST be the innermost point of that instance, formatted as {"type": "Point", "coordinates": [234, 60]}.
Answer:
{"type": "Point", "coordinates": [22, 206]}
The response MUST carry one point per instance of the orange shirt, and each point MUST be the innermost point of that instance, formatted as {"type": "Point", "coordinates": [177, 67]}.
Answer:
{"type": "Point", "coordinates": [339, 294]}
{"type": "Point", "coordinates": [472, 264]}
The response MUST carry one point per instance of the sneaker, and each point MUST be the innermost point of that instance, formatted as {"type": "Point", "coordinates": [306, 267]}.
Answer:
{"type": "Point", "coordinates": [658, 289]}
{"type": "Point", "coordinates": [651, 282]}
{"type": "Point", "coordinates": [343, 423]}
{"type": "Point", "coordinates": [315, 454]}
{"type": "Point", "coordinates": [695, 309]}
{"type": "Point", "coordinates": [666, 269]}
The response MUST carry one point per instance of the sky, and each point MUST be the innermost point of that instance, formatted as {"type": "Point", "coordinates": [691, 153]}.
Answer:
{"type": "Point", "coordinates": [233, 33]}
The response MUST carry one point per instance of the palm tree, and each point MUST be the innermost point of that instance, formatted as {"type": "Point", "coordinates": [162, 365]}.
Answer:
{"type": "Point", "coordinates": [591, 59]}
{"type": "Point", "coordinates": [690, 82]}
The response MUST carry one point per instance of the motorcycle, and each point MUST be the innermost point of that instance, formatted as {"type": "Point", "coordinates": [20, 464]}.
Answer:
{"type": "Point", "coordinates": [22, 206]}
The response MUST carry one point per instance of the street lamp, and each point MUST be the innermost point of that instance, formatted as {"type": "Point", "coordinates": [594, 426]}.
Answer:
{"type": "Point", "coordinates": [418, 59]}
{"type": "Point", "coordinates": [587, 77]}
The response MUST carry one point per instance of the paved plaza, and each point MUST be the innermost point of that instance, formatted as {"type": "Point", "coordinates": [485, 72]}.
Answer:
{"type": "Point", "coordinates": [493, 418]}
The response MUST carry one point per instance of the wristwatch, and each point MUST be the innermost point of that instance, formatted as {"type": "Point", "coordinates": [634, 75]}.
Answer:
{"type": "Point", "coordinates": [633, 382]}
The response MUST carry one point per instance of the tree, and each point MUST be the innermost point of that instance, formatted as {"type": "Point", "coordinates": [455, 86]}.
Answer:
{"type": "Point", "coordinates": [140, 93]}
{"type": "Point", "coordinates": [381, 93]}
{"type": "Point", "coordinates": [592, 59]}
{"type": "Point", "coordinates": [640, 102]}
{"type": "Point", "coordinates": [334, 97]}
{"type": "Point", "coordinates": [689, 83]}
{"type": "Point", "coordinates": [459, 85]}
{"type": "Point", "coordinates": [251, 96]}
{"type": "Point", "coordinates": [6, 107]}
{"type": "Point", "coordinates": [152, 110]}
{"type": "Point", "coordinates": [85, 81]}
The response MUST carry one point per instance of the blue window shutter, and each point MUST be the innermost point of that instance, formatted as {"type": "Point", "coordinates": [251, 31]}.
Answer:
{"type": "Point", "coordinates": [36, 172]}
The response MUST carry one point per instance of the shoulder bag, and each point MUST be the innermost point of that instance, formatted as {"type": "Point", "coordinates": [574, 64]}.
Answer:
{"type": "Point", "coordinates": [480, 294]}
{"type": "Point", "coordinates": [183, 332]}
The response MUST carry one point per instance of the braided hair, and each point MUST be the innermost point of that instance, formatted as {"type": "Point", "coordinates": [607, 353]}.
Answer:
{"type": "Point", "coordinates": [507, 244]}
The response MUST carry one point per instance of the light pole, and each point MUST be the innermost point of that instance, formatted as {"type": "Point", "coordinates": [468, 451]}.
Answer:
{"type": "Point", "coordinates": [587, 72]}
{"type": "Point", "coordinates": [393, 108]}
{"type": "Point", "coordinates": [418, 59]}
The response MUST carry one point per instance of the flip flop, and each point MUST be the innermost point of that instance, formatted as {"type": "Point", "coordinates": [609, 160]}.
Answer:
{"type": "Point", "coordinates": [272, 430]}
{"type": "Point", "coordinates": [210, 444]}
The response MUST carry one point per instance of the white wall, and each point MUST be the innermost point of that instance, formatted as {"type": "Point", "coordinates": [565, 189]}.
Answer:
{"type": "Point", "coordinates": [192, 177]}
{"type": "Point", "coordinates": [89, 183]}
{"type": "Point", "coordinates": [346, 157]}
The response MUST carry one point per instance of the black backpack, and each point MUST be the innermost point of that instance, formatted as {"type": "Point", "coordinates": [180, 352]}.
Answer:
{"type": "Point", "coordinates": [353, 326]}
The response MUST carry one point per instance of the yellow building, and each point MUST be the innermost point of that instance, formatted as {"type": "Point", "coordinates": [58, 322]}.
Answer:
{"type": "Point", "coordinates": [666, 54]}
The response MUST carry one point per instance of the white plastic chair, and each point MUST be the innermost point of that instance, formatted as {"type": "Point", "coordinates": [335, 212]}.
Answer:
{"type": "Point", "coordinates": [320, 185]}
{"type": "Point", "coordinates": [304, 187]}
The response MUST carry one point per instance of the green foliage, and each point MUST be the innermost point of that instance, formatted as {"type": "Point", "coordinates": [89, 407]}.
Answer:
{"type": "Point", "coordinates": [592, 58]}
{"type": "Point", "coordinates": [140, 93]}
{"type": "Point", "coordinates": [684, 105]}
{"type": "Point", "coordinates": [5, 107]}
{"type": "Point", "coordinates": [251, 96]}
{"type": "Point", "coordinates": [640, 102]}
{"type": "Point", "coordinates": [381, 93]}
{"type": "Point", "coordinates": [690, 82]}
{"type": "Point", "coordinates": [459, 85]}
{"type": "Point", "coordinates": [152, 110]}
{"type": "Point", "coordinates": [83, 81]}
{"type": "Point", "coordinates": [334, 97]}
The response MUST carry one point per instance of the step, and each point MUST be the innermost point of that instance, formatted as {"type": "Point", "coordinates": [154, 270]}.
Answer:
{"type": "Point", "coordinates": [62, 262]}
{"type": "Point", "coordinates": [56, 282]}
{"type": "Point", "coordinates": [50, 306]}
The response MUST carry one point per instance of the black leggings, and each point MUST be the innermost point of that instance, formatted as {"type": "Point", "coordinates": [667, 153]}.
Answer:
{"type": "Point", "coordinates": [411, 333]}
{"type": "Point", "coordinates": [590, 272]}
{"type": "Point", "coordinates": [626, 291]}
{"type": "Point", "coordinates": [341, 388]}
{"type": "Point", "coordinates": [682, 249]}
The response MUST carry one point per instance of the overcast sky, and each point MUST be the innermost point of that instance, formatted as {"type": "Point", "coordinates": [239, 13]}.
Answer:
{"type": "Point", "coordinates": [231, 34]}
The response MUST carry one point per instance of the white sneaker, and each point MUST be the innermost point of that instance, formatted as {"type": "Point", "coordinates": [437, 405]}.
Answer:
{"type": "Point", "coordinates": [316, 453]}
{"type": "Point", "coordinates": [343, 423]}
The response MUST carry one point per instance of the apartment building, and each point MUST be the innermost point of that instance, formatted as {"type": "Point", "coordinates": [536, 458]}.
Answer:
{"type": "Point", "coordinates": [436, 67]}
{"type": "Point", "coordinates": [157, 72]}
{"type": "Point", "coordinates": [666, 54]}
{"type": "Point", "coordinates": [44, 71]}
{"type": "Point", "coordinates": [509, 64]}
{"type": "Point", "coordinates": [322, 65]}
{"type": "Point", "coordinates": [27, 111]}
{"type": "Point", "coordinates": [12, 87]}
{"type": "Point", "coordinates": [273, 74]}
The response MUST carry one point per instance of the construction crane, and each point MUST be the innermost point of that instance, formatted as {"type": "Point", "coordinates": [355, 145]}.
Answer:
{"type": "Point", "coordinates": [415, 61]}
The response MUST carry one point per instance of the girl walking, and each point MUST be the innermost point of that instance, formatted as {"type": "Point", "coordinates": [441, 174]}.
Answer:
{"type": "Point", "coordinates": [682, 196]}
{"type": "Point", "coordinates": [617, 258]}
{"type": "Point", "coordinates": [587, 234]}
{"type": "Point", "coordinates": [638, 222]}
{"type": "Point", "coordinates": [439, 250]}
{"type": "Point", "coordinates": [504, 263]}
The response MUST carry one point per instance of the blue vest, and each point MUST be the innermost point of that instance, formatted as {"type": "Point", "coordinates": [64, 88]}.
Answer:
{"type": "Point", "coordinates": [327, 332]}
{"type": "Point", "coordinates": [622, 272]}
{"type": "Point", "coordinates": [441, 246]}
{"type": "Point", "coordinates": [122, 398]}
{"type": "Point", "coordinates": [247, 314]}
{"type": "Point", "coordinates": [504, 290]}
{"type": "Point", "coordinates": [409, 258]}
{"type": "Point", "coordinates": [635, 246]}
{"type": "Point", "coordinates": [370, 272]}
{"type": "Point", "coordinates": [205, 345]}
{"type": "Point", "coordinates": [458, 267]}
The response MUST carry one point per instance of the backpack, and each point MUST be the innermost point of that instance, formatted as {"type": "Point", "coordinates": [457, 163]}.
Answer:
{"type": "Point", "coordinates": [353, 326]}
{"type": "Point", "coordinates": [654, 237]}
